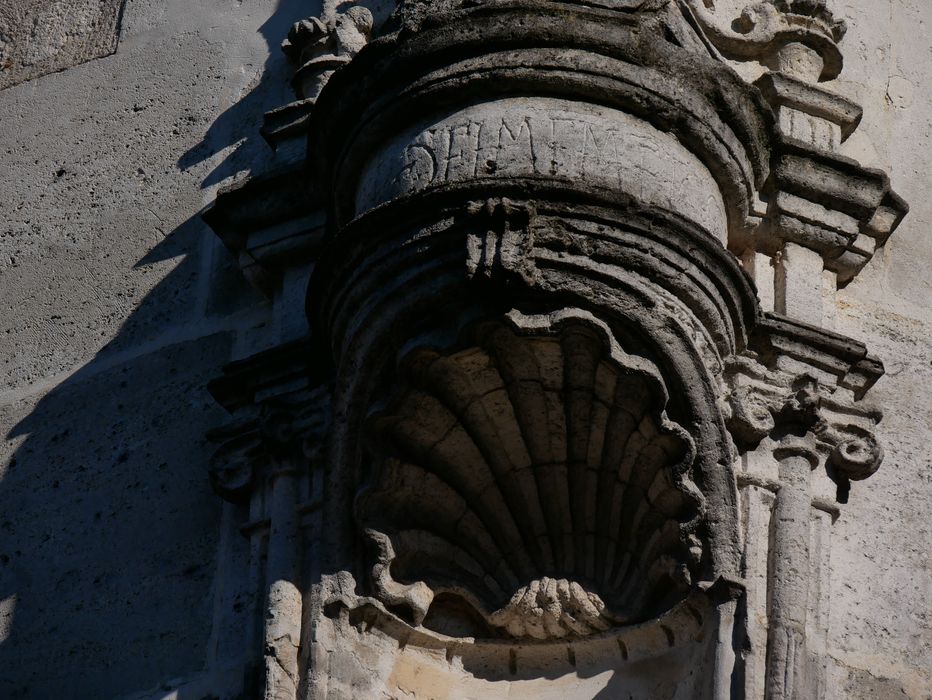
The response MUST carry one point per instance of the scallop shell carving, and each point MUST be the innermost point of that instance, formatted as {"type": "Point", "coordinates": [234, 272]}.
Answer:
{"type": "Point", "coordinates": [537, 481]}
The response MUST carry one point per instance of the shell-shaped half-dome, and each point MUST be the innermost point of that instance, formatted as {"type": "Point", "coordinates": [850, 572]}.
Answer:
{"type": "Point", "coordinates": [536, 480]}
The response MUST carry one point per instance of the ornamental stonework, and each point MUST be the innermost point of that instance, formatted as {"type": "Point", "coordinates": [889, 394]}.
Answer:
{"type": "Point", "coordinates": [570, 421]}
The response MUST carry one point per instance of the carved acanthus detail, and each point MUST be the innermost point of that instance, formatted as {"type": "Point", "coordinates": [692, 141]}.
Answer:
{"type": "Point", "coordinates": [767, 404]}
{"type": "Point", "coordinates": [319, 46]}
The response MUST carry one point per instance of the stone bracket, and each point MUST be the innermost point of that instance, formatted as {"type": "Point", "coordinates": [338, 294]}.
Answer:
{"type": "Point", "coordinates": [500, 240]}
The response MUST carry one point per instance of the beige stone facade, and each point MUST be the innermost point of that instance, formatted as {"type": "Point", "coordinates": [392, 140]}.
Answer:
{"type": "Point", "coordinates": [465, 350]}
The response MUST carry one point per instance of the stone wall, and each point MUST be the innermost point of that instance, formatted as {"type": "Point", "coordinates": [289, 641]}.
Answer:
{"type": "Point", "coordinates": [119, 568]}
{"type": "Point", "coordinates": [118, 305]}
{"type": "Point", "coordinates": [882, 572]}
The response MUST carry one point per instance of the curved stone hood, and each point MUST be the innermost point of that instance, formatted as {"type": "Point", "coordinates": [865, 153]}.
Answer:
{"type": "Point", "coordinates": [614, 100]}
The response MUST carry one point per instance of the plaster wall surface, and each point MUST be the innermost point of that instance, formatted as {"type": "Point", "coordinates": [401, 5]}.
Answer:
{"type": "Point", "coordinates": [42, 36]}
{"type": "Point", "coordinates": [881, 618]}
{"type": "Point", "coordinates": [118, 305]}
{"type": "Point", "coordinates": [117, 575]}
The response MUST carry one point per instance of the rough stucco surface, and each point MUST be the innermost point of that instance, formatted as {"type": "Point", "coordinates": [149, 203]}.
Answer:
{"type": "Point", "coordinates": [881, 617]}
{"type": "Point", "coordinates": [116, 306]}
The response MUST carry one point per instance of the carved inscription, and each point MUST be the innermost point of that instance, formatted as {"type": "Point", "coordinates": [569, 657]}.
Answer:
{"type": "Point", "coordinates": [547, 138]}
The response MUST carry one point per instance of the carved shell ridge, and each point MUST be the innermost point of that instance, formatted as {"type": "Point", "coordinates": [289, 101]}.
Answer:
{"type": "Point", "coordinates": [538, 480]}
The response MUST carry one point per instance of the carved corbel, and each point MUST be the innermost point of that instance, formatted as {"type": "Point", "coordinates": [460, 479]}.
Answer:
{"type": "Point", "coordinates": [500, 241]}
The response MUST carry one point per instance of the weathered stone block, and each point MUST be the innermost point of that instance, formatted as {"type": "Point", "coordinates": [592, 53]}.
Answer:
{"type": "Point", "coordinates": [43, 36]}
{"type": "Point", "coordinates": [546, 138]}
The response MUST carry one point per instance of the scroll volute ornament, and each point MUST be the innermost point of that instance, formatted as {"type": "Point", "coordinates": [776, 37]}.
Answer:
{"type": "Point", "coordinates": [765, 29]}
{"type": "Point", "coordinates": [535, 481]}
{"type": "Point", "coordinates": [851, 451]}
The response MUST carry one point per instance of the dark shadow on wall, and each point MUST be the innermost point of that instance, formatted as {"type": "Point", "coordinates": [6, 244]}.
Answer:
{"type": "Point", "coordinates": [239, 125]}
{"type": "Point", "coordinates": [109, 531]}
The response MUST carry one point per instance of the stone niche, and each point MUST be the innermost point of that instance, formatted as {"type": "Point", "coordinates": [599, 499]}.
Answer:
{"type": "Point", "coordinates": [527, 297]}
{"type": "Point", "coordinates": [666, 658]}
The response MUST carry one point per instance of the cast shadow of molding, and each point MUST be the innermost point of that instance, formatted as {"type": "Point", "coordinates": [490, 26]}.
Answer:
{"type": "Point", "coordinates": [109, 530]}
{"type": "Point", "coordinates": [238, 126]}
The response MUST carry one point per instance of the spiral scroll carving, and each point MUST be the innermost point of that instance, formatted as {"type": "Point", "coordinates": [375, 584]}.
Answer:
{"type": "Point", "coordinates": [537, 480]}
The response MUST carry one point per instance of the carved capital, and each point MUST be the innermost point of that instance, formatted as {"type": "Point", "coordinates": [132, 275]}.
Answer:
{"type": "Point", "coordinates": [281, 416]}
{"type": "Point", "coordinates": [763, 403]}
{"type": "Point", "coordinates": [296, 424]}
{"type": "Point", "coordinates": [234, 464]}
